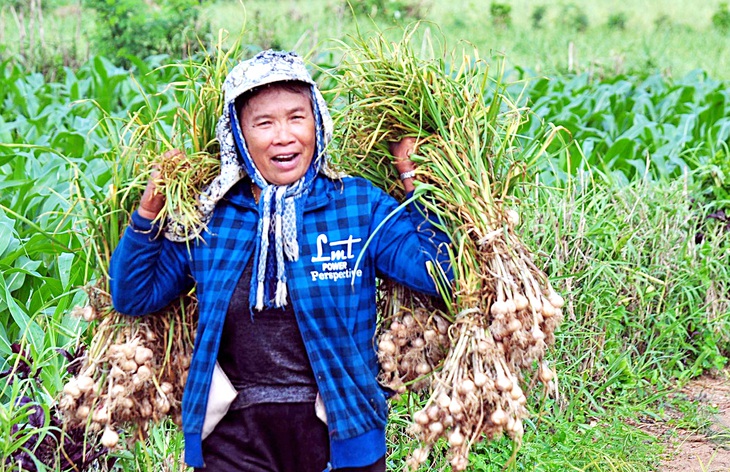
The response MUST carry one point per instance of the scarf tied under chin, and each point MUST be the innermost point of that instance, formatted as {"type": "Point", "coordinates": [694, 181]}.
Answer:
{"type": "Point", "coordinates": [280, 210]}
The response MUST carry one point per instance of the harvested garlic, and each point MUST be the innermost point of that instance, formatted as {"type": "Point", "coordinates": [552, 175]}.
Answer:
{"type": "Point", "coordinates": [423, 368]}
{"type": "Point", "coordinates": [548, 310]}
{"type": "Point", "coordinates": [117, 390]}
{"type": "Point", "coordinates": [521, 302]}
{"type": "Point", "coordinates": [455, 408]}
{"type": "Point", "coordinates": [142, 355]}
{"type": "Point", "coordinates": [436, 427]}
{"type": "Point", "coordinates": [456, 439]}
{"type": "Point", "coordinates": [420, 455]}
{"type": "Point", "coordinates": [83, 412]}
{"type": "Point", "coordinates": [110, 438]}
{"type": "Point", "coordinates": [387, 366]}
{"type": "Point", "coordinates": [162, 405]}
{"type": "Point", "coordinates": [443, 400]}
{"type": "Point", "coordinates": [545, 374]}
{"type": "Point", "coordinates": [386, 346]}
{"type": "Point", "coordinates": [129, 351]}
{"type": "Point", "coordinates": [480, 379]}
{"type": "Point", "coordinates": [511, 306]}
{"type": "Point", "coordinates": [421, 417]}
{"type": "Point", "coordinates": [498, 308]}
{"type": "Point", "coordinates": [499, 417]}
{"type": "Point", "coordinates": [459, 462]}
{"type": "Point", "coordinates": [88, 313]}
{"type": "Point", "coordinates": [72, 389]}
{"type": "Point", "coordinates": [101, 415]}
{"type": "Point", "coordinates": [129, 366]}
{"type": "Point", "coordinates": [466, 387]}
{"type": "Point", "coordinates": [556, 300]}
{"type": "Point", "coordinates": [166, 388]}
{"type": "Point", "coordinates": [430, 336]}
{"type": "Point", "coordinates": [85, 383]}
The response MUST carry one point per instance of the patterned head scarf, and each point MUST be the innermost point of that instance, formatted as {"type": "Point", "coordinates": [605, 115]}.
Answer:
{"type": "Point", "coordinates": [279, 205]}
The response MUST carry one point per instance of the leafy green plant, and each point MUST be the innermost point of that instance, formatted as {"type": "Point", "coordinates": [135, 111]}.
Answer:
{"type": "Point", "coordinates": [31, 433]}
{"type": "Point", "coordinates": [631, 126]}
{"type": "Point", "coordinates": [501, 14]}
{"type": "Point", "coordinates": [573, 17]}
{"type": "Point", "coordinates": [617, 21]}
{"type": "Point", "coordinates": [537, 17]}
{"type": "Point", "coordinates": [721, 18]}
{"type": "Point", "coordinates": [715, 180]}
{"type": "Point", "coordinates": [393, 10]}
{"type": "Point", "coordinates": [139, 28]}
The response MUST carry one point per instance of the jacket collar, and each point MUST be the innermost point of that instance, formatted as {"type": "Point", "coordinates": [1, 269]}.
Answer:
{"type": "Point", "coordinates": [321, 193]}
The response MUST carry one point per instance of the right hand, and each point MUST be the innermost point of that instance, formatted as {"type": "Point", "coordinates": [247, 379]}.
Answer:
{"type": "Point", "coordinates": [152, 201]}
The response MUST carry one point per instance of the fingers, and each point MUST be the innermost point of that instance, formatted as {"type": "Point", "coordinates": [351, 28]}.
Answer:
{"type": "Point", "coordinates": [172, 153]}
{"type": "Point", "coordinates": [153, 201]}
{"type": "Point", "coordinates": [402, 149]}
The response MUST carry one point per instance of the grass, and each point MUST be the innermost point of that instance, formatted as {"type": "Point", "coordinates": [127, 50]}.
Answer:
{"type": "Point", "coordinates": [658, 37]}
{"type": "Point", "coordinates": [672, 37]}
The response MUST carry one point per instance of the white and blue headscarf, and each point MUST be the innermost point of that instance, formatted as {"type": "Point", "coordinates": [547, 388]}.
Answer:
{"type": "Point", "coordinates": [279, 205]}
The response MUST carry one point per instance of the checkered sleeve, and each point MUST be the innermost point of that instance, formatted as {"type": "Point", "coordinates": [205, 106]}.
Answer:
{"type": "Point", "coordinates": [404, 240]}
{"type": "Point", "coordinates": [147, 271]}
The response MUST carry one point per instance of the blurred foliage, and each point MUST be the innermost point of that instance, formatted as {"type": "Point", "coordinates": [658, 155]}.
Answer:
{"type": "Point", "coordinates": [394, 10]}
{"type": "Point", "coordinates": [143, 28]}
{"type": "Point", "coordinates": [501, 14]}
{"type": "Point", "coordinates": [573, 17]}
{"type": "Point", "coordinates": [721, 18]}
{"type": "Point", "coordinates": [538, 16]}
{"type": "Point", "coordinates": [617, 21]}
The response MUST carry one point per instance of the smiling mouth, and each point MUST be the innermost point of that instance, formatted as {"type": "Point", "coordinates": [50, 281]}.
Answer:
{"type": "Point", "coordinates": [285, 157]}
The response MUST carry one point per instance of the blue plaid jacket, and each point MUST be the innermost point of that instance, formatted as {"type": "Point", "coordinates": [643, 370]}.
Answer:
{"type": "Point", "coordinates": [336, 318]}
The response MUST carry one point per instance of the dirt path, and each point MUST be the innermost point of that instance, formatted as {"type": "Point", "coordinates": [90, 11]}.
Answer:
{"type": "Point", "coordinates": [707, 450]}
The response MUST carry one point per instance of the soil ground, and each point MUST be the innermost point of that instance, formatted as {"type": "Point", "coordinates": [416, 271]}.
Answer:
{"type": "Point", "coordinates": [706, 449]}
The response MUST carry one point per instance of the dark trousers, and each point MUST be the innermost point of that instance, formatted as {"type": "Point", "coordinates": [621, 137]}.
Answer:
{"type": "Point", "coordinates": [272, 437]}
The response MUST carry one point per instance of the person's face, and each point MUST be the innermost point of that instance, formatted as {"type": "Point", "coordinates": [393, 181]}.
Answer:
{"type": "Point", "coordinates": [278, 126]}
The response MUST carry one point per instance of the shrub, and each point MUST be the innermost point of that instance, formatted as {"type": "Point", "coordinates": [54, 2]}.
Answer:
{"type": "Point", "coordinates": [617, 21]}
{"type": "Point", "coordinates": [573, 16]}
{"type": "Point", "coordinates": [663, 22]}
{"type": "Point", "coordinates": [143, 28]}
{"type": "Point", "coordinates": [721, 18]}
{"type": "Point", "coordinates": [500, 14]}
{"type": "Point", "coordinates": [538, 15]}
{"type": "Point", "coordinates": [397, 10]}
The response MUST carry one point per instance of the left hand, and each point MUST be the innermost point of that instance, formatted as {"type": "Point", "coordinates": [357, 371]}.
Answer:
{"type": "Point", "coordinates": [402, 151]}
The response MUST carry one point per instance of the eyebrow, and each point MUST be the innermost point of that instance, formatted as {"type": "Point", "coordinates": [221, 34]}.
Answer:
{"type": "Point", "coordinates": [295, 109]}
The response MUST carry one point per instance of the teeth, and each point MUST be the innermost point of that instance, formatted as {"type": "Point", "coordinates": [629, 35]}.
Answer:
{"type": "Point", "coordinates": [285, 157]}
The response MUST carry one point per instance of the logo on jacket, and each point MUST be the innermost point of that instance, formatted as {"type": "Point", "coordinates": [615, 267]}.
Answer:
{"type": "Point", "coordinates": [334, 258]}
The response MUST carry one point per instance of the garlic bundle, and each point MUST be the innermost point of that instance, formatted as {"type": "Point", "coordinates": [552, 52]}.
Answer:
{"type": "Point", "coordinates": [409, 349]}
{"type": "Point", "coordinates": [133, 372]}
{"type": "Point", "coordinates": [502, 334]}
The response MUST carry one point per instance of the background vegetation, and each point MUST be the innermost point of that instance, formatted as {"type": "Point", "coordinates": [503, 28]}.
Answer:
{"type": "Point", "coordinates": [629, 211]}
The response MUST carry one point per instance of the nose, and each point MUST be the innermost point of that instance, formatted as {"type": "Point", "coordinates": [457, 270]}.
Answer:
{"type": "Point", "coordinates": [283, 135]}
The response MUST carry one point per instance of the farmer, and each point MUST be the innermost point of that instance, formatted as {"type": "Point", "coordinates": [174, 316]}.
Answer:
{"type": "Point", "coordinates": [285, 280]}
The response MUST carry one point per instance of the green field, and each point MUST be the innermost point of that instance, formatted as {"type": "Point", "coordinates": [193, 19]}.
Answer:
{"type": "Point", "coordinates": [628, 211]}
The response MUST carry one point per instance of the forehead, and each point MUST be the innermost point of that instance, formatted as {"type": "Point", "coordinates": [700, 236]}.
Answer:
{"type": "Point", "coordinates": [277, 91]}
